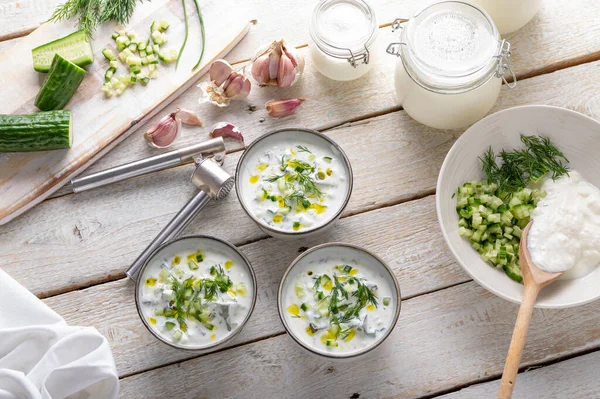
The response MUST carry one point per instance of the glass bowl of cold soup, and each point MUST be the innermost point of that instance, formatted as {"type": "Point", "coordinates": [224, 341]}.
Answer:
{"type": "Point", "coordinates": [338, 300]}
{"type": "Point", "coordinates": [294, 182]}
{"type": "Point", "coordinates": [195, 292]}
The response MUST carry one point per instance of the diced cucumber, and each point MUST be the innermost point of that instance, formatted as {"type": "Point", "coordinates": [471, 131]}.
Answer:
{"type": "Point", "coordinates": [108, 54]}
{"type": "Point", "coordinates": [494, 226]}
{"type": "Point", "coordinates": [75, 48]}
{"type": "Point", "coordinates": [513, 270]}
{"type": "Point", "coordinates": [122, 42]}
{"type": "Point", "coordinates": [164, 25]}
{"type": "Point", "coordinates": [154, 27]}
{"type": "Point", "coordinates": [110, 72]}
{"type": "Point", "coordinates": [114, 64]}
{"type": "Point", "coordinates": [143, 44]}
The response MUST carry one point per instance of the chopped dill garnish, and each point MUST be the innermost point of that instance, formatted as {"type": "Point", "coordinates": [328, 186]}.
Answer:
{"type": "Point", "coordinates": [300, 198]}
{"type": "Point", "coordinates": [303, 149]}
{"type": "Point", "coordinates": [519, 167]}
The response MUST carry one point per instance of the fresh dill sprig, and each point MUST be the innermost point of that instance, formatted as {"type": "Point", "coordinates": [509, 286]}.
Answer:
{"type": "Point", "coordinates": [179, 291]}
{"type": "Point", "coordinates": [273, 178]}
{"type": "Point", "coordinates": [303, 149]}
{"type": "Point", "coordinates": [91, 13]}
{"type": "Point", "coordinates": [519, 167]}
{"type": "Point", "coordinates": [308, 184]}
{"type": "Point", "coordinates": [300, 198]}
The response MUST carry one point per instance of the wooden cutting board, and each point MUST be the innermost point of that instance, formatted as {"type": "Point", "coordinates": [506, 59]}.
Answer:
{"type": "Point", "coordinates": [100, 123]}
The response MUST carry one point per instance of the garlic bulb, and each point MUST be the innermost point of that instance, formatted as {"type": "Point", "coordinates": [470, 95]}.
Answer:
{"type": "Point", "coordinates": [166, 131]}
{"type": "Point", "coordinates": [279, 108]}
{"type": "Point", "coordinates": [225, 85]}
{"type": "Point", "coordinates": [277, 65]}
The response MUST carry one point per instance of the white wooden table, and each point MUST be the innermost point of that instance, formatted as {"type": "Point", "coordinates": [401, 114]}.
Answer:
{"type": "Point", "coordinates": [452, 335]}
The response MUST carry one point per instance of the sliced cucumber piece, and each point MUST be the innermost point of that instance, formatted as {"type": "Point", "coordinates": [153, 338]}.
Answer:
{"type": "Point", "coordinates": [61, 83]}
{"type": "Point", "coordinates": [75, 48]}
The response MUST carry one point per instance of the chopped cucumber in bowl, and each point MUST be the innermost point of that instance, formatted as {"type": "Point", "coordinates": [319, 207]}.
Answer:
{"type": "Point", "coordinates": [494, 226]}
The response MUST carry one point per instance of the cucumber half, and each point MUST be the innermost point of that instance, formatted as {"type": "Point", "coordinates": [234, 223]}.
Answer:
{"type": "Point", "coordinates": [35, 132]}
{"type": "Point", "coordinates": [60, 85]}
{"type": "Point", "coordinates": [75, 47]}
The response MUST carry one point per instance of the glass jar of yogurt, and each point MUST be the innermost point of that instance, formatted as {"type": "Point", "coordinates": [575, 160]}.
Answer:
{"type": "Point", "coordinates": [343, 35]}
{"type": "Point", "coordinates": [451, 64]}
{"type": "Point", "coordinates": [510, 15]}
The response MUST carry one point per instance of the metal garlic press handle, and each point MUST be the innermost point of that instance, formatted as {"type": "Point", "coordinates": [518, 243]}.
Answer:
{"type": "Point", "coordinates": [214, 183]}
{"type": "Point", "coordinates": [215, 147]}
{"type": "Point", "coordinates": [171, 230]}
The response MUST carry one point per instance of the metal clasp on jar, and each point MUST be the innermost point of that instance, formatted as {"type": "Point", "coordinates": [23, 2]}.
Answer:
{"type": "Point", "coordinates": [364, 57]}
{"type": "Point", "coordinates": [394, 48]}
{"type": "Point", "coordinates": [504, 64]}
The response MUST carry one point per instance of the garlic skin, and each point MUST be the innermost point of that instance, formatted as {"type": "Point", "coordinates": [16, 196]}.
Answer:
{"type": "Point", "coordinates": [166, 131]}
{"type": "Point", "coordinates": [226, 129]}
{"type": "Point", "coordinates": [277, 65]}
{"type": "Point", "coordinates": [225, 85]}
{"type": "Point", "coordinates": [281, 108]}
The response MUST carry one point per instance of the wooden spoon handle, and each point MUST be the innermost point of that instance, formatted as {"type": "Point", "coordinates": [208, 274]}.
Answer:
{"type": "Point", "coordinates": [511, 368]}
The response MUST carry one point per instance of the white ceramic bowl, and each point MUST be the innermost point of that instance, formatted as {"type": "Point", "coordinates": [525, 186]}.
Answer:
{"type": "Point", "coordinates": [576, 135]}
{"type": "Point", "coordinates": [349, 254]}
{"type": "Point", "coordinates": [291, 135]}
{"type": "Point", "coordinates": [190, 244]}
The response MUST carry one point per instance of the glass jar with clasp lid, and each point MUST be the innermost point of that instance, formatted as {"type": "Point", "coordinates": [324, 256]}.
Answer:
{"type": "Point", "coordinates": [451, 64]}
{"type": "Point", "coordinates": [343, 35]}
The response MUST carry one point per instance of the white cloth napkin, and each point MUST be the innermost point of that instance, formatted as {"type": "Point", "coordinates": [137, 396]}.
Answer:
{"type": "Point", "coordinates": [41, 357]}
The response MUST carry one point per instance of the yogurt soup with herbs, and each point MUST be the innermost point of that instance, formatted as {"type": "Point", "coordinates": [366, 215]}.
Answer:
{"type": "Point", "coordinates": [338, 305]}
{"type": "Point", "coordinates": [197, 296]}
{"type": "Point", "coordinates": [294, 186]}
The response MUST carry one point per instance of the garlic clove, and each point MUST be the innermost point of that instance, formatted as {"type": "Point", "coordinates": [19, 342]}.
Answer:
{"type": "Point", "coordinates": [280, 108]}
{"type": "Point", "coordinates": [165, 132]}
{"type": "Point", "coordinates": [244, 91]}
{"type": "Point", "coordinates": [219, 71]}
{"type": "Point", "coordinates": [274, 60]}
{"type": "Point", "coordinates": [188, 117]}
{"type": "Point", "coordinates": [238, 88]}
{"type": "Point", "coordinates": [226, 129]}
{"type": "Point", "coordinates": [286, 74]}
{"type": "Point", "coordinates": [260, 68]}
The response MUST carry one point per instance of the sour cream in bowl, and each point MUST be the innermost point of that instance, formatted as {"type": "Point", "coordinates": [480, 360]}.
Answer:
{"type": "Point", "coordinates": [294, 182]}
{"type": "Point", "coordinates": [195, 292]}
{"type": "Point", "coordinates": [338, 300]}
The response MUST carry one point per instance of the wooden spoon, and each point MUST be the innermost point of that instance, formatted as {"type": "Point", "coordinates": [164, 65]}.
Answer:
{"type": "Point", "coordinates": [534, 280]}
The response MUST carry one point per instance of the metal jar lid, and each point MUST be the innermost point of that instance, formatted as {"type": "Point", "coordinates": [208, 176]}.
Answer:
{"type": "Point", "coordinates": [451, 47]}
{"type": "Point", "coordinates": [344, 29]}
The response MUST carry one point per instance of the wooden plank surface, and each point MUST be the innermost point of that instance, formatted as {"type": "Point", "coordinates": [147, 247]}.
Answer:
{"type": "Point", "coordinates": [95, 225]}
{"type": "Point", "coordinates": [573, 379]}
{"type": "Point", "coordinates": [454, 337]}
{"type": "Point", "coordinates": [451, 337]}
{"type": "Point", "coordinates": [20, 17]}
{"type": "Point", "coordinates": [413, 251]}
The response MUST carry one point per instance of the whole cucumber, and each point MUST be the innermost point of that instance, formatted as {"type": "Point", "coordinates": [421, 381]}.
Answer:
{"type": "Point", "coordinates": [61, 83]}
{"type": "Point", "coordinates": [35, 132]}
